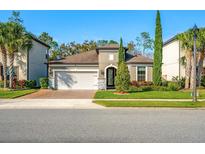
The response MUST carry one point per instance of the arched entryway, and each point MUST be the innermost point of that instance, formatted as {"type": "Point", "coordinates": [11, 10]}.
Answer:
{"type": "Point", "coordinates": [110, 77]}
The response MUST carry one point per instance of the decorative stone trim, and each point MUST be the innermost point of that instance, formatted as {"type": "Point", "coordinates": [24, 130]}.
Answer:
{"type": "Point", "coordinates": [101, 84]}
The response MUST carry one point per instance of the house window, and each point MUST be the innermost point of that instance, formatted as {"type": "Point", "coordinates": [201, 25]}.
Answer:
{"type": "Point", "coordinates": [141, 73]}
{"type": "Point", "coordinates": [111, 57]}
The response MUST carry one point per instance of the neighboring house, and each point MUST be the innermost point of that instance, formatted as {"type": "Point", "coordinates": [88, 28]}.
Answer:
{"type": "Point", "coordinates": [96, 69]}
{"type": "Point", "coordinates": [173, 56]}
{"type": "Point", "coordinates": [172, 53]}
{"type": "Point", "coordinates": [29, 65]}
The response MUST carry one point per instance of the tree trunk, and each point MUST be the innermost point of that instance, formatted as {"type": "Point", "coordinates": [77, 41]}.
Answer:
{"type": "Point", "coordinates": [11, 69]}
{"type": "Point", "coordinates": [4, 61]}
{"type": "Point", "coordinates": [200, 66]}
{"type": "Point", "coordinates": [188, 68]}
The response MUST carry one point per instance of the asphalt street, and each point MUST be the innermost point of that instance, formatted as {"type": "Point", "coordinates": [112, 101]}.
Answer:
{"type": "Point", "coordinates": [102, 125]}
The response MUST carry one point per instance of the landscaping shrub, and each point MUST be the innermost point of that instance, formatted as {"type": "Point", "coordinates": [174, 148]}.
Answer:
{"type": "Point", "coordinates": [149, 88]}
{"type": "Point", "coordinates": [30, 83]}
{"type": "Point", "coordinates": [179, 81]}
{"type": "Point", "coordinates": [203, 81]}
{"type": "Point", "coordinates": [14, 83]}
{"type": "Point", "coordinates": [164, 83]}
{"type": "Point", "coordinates": [1, 84]}
{"type": "Point", "coordinates": [134, 83]}
{"type": "Point", "coordinates": [22, 83]}
{"type": "Point", "coordinates": [44, 82]}
{"type": "Point", "coordinates": [174, 86]}
{"type": "Point", "coordinates": [135, 89]}
{"type": "Point", "coordinates": [160, 88]}
{"type": "Point", "coordinates": [146, 88]}
{"type": "Point", "coordinates": [141, 83]}
{"type": "Point", "coordinates": [122, 79]}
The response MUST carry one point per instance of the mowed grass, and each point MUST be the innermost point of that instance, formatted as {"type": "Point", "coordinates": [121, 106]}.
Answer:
{"type": "Point", "coordinates": [148, 95]}
{"type": "Point", "coordinates": [9, 94]}
{"type": "Point", "coordinates": [174, 104]}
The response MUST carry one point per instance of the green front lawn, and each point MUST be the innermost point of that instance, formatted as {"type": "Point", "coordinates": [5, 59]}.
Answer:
{"type": "Point", "coordinates": [174, 104]}
{"type": "Point", "coordinates": [15, 93]}
{"type": "Point", "coordinates": [148, 95]}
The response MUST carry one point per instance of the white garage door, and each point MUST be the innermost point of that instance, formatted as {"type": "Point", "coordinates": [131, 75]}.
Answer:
{"type": "Point", "coordinates": [76, 80]}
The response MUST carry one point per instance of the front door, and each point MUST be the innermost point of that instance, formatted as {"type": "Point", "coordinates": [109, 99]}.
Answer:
{"type": "Point", "coordinates": [111, 73]}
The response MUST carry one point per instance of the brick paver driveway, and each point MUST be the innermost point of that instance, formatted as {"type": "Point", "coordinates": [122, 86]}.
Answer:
{"type": "Point", "coordinates": [61, 94]}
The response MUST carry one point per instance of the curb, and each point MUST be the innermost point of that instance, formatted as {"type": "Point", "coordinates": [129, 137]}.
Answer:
{"type": "Point", "coordinates": [162, 100]}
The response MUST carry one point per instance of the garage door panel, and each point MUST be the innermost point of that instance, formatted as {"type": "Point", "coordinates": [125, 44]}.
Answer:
{"type": "Point", "coordinates": [64, 80]}
{"type": "Point", "coordinates": [76, 80]}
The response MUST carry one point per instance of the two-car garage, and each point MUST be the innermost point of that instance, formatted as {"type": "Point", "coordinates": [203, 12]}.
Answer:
{"type": "Point", "coordinates": [76, 79]}
{"type": "Point", "coordinates": [79, 71]}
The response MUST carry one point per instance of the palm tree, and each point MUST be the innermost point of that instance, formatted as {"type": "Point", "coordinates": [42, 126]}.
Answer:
{"type": "Point", "coordinates": [186, 40]}
{"type": "Point", "coordinates": [18, 39]}
{"type": "Point", "coordinates": [3, 37]}
{"type": "Point", "coordinates": [186, 43]}
{"type": "Point", "coordinates": [201, 53]}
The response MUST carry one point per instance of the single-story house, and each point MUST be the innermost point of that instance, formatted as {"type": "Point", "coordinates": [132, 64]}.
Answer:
{"type": "Point", "coordinates": [96, 69]}
{"type": "Point", "coordinates": [29, 65]}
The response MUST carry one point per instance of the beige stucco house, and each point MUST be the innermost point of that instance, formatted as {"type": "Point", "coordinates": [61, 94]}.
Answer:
{"type": "Point", "coordinates": [30, 65]}
{"type": "Point", "coordinates": [96, 69]}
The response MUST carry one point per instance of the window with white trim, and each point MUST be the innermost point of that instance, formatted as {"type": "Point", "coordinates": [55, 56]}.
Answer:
{"type": "Point", "coordinates": [141, 73]}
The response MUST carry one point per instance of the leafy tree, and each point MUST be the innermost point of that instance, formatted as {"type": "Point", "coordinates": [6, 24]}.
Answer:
{"type": "Point", "coordinates": [87, 46]}
{"type": "Point", "coordinates": [54, 55]}
{"type": "Point", "coordinates": [3, 41]}
{"type": "Point", "coordinates": [113, 42]}
{"type": "Point", "coordinates": [102, 42]}
{"type": "Point", "coordinates": [45, 37]}
{"type": "Point", "coordinates": [122, 79]}
{"type": "Point", "coordinates": [147, 42]}
{"type": "Point", "coordinates": [105, 42]}
{"type": "Point", "coordinates": [54, 48]}
{"type": "Point", "coordinates": [144, 43]}
{"type": "Point", "coordinates": [158, 43]}
{"type": "Point", "coordinates": [138, 44]}
{"type": "Point", "coordinates": [131, 46]}
{"type": "Point", "coordinates": [121, 53]}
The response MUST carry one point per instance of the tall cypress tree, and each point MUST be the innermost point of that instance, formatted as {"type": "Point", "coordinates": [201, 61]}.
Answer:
{"type": "Point", "coordinates": [121, 53]}
{"type": "Point", "coordinates": [122, 78]}
{"type": "Point", "coordinates": [158, 43]}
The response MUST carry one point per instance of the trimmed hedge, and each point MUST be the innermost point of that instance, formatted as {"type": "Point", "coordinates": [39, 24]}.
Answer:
{"type": "Point", "coordinates": [174, 86]}
{"type": "Point", "coordinates": [30, 84]}
{"type": "Point", "coordinates": [44, 82]}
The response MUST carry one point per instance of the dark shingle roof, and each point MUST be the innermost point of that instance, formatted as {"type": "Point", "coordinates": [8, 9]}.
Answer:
{"type": "Point", "coordinates": [89, 57]}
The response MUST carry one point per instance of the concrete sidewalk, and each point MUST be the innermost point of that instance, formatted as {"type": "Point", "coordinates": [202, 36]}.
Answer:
{"type": "Point", "coordinates": [48, 104]}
